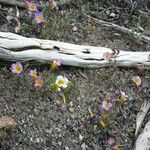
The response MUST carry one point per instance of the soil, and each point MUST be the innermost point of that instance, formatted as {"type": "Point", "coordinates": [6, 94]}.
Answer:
{"type": "Point", "coordinates": [44, 122]}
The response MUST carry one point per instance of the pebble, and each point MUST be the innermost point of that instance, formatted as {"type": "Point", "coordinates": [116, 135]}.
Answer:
{"type": "Point", "coordinates": [71, 109]}
{"type": "Point", "coordinates": [75, 29]}
{"type": "Point", "coordinates": [113, 15]}
{"type": "Point", "coordinates": [37, 140]}
{"type": "Point", "coordinates": [81, 137]}
{"type": "Point", "coordinates": [83, 146]}
{"type": "Point", "coordinates": [71, 104]}
{"type": "Point", "coordinates": [66, 148]}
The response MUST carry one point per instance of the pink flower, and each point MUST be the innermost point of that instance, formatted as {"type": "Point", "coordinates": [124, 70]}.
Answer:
{"type": "Point", "coordinates": [39, 17]}
{"type": "Point", "coordinates": [105, 105]}
{"type": "Point", "coordinates": [16, 68]}
{"type": "Point", "coordinates": [33, 73]}
{"type": "Point", "coordinates": [56, 63]}
{"type": "Point", "coordinates": [107, 56]}
{"type": "Point", "coordinates": [31, 5]}
{"type": "Point", "coordinates": [137, 80]}
{"type": "Point", "coordinates": [112, 144]}
{"type": "Point", "coordinates": [38, 82]}
{"type": "Point", "coordinates": [123, 97]}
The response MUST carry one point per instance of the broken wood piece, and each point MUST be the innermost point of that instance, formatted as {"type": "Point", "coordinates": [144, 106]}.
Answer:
{"type": "Point", "coordinates": [143, 141]}
{"type": "Point", "coordinates": [13, 3]}
{"type": "Point", "coordinates": [141, 115]}
{"type": "Point", "coordinates": [14, 47]}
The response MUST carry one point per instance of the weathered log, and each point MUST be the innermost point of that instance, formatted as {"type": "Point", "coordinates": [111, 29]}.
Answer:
{"type": "Point", "coordinates": [13, 3]}
{"type": "Point", "coordinates": [14, 47]}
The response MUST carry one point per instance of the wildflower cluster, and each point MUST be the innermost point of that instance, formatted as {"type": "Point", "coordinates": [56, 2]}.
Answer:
{"type": "Point", "coordinates": [32, 7]}
{"type": "Point", "coordinates": [60, 83]}
{"type": "Point", "coordinates": [102, 115]}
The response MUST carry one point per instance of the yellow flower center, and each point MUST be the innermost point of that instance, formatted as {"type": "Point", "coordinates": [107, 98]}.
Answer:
{"type": "Point", "coordinates": [40, 18]}
{"type": "Point", "coordinates": [107, 56]}
{"type": "Point", "coordinates": [60, 82]}
{"type": "Point", "coordinates": [137, 80]}
{"type": "Point", "coordinates": [38, 82]}
{"type": "Point", "coordinates": [105, 105]}
{"type": "Point", "coordinates": [34, 74]}
{"type": "Point", "coordinates": [18, 68]}
{"type": "Point", "coordinates": [32, 6]}
{"type": "Point", "coordinates": [54, 64]}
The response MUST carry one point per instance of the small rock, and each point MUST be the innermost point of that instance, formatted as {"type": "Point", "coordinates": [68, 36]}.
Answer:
{"type": "Point", "coordinates": [70, 128]}
{"type": "Point", "coordinates": [113, 15]}
{"type": "Point", "coordinates": [108, 12]}
{"type": "Point", "coordinates": [141, 28]}
{"type": "Point", "coordinates": [95, 127]}
{"type": "Point", "coordinates": [75, 29]}
{"type": "Point", "coordinates": [10, 11]}
{"type": "Point", "coordinates": [60, 143]}
{"type": "Point", "coordinates": [83, 146]}
{"type": "Point", "coordinates": [37, 140]}
{"type": "Point", "coordinates": [66, 148]}
{"type": "Point", "coordinates": [81, 137]}
{"type": "Point", "coordinates": [9, 18]}
{"type": "Point", "coordinates": [71, 109]}
{"type": "Point", "coordinates": [71, 104]}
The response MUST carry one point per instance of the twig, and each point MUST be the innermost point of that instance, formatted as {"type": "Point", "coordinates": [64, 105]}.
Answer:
{"type": "Point", "coordinates": [143, 13]}
{"type": "Point", "coordinates": [13, 3]}
{"type": "Point", "coordinates": [136, 35]}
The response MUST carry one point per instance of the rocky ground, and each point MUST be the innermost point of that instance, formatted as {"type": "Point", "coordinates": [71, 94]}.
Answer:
{"type": "Point", "coordinates": [44, 122]}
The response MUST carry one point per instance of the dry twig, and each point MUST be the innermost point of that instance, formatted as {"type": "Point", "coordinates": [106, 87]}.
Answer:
{"type": "Point", "coordinates": [134, 34]}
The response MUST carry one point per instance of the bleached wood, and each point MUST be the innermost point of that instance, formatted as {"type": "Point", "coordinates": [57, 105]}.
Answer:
{"type": "Point", "coordinates": [143, 141]}
{"type": "Point", "coordinates": [141, 115]}
{"type": "Point", "coordinates": [14, 47]}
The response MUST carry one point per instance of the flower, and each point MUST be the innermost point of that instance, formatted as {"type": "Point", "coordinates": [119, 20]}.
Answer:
{"type": "Point", "coordinates": [33, 73]}
{"type": "Point", "coordinates": [56, 63]}
{"type": "Point", "coordinates": [93, 116]}
{"type": "Point", "coordinates": [112, 143]}
{"type": "Point", "coordinates": [123, 97]}
{"type": "Point", "coordinates": [31, 5]}
{"type": "Point", "coordinates": [38, 82]}
{"type": "Point", "coordinates": [39, 17]}
{"type": "Point", "coordinates": [137, 80]}
{"type": "Point", "coordinates": [105, 105]}
{"type": "Point", "coordinates": [61, 82]}
{"type": "Point", "coordinates": [17, 68]}
{"type": "Point", "coordinates": [107, 56]}
{"type": "Point", "coordinates": [53, 5]}
{"type": "Point", "coordinates": [62, 96]}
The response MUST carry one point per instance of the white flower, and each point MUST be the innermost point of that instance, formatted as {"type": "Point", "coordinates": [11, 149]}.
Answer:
{"type": "Point", "coordinates": [61, 81]}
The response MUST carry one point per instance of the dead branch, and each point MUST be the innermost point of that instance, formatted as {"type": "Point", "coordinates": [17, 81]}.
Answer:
{"type": "Point", "coordinates": [143, 141]}
{"type": "Point", "coordinates": [141, 115]}
{"type": "Point", "coordinates": [13, 3]}
{"type": "Point", "coordinates": [134, 34]}
{"type": "Point", "coordinates": [14, 47]}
